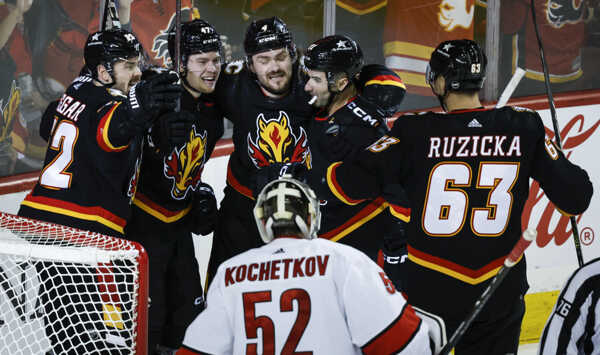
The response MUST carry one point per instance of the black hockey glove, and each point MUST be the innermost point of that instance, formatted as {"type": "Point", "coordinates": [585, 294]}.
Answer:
{"type": "Point", "coordinates": [147, 98]}
{"type": "Point", "coordinates": [202, 218]}
{"type": "Point", "coordinates": [276, 170]}
{"type": "Point", "coordinates": [382, 88]}
{"type": "Point", "coordinates": [395, 253]}
{"type": "Point", "coordinates": [172, 130]}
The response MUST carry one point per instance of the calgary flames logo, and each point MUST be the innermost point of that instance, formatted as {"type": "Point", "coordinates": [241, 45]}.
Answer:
{"type": "Point", "coordinates": [133, 181]}
{"type": "Point", "coordinates": [562, 12]}
{"type": "Point", "coordinates": [184, 165]}
{"type": "Point", "coordinates": [160, 44]}
{"type": "Point", "coordinates": [276, 143]}
{"type": "Point", "coordinates": [456, 13]}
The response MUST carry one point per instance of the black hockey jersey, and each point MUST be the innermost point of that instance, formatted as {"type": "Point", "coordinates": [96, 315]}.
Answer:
{"type": "Point", "coordinates": [342, 220]}
{"type": "Point", "coordinates": [265, 130]}
{"type": "Point", "coordinates": [91, 168]}
{"type": "Point", "coordinates": [168, 179]}
{"type": "Point", "coordinates": [466, 174]}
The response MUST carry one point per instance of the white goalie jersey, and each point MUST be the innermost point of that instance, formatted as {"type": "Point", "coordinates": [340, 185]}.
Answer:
{"type": "Point", "coordinates": [305, 297]}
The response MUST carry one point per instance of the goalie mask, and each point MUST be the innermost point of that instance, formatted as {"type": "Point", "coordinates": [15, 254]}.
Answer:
{"type": "Point", "coordinates": [108, 47]}
{"type": "Point", "coordinates": [287, 207]}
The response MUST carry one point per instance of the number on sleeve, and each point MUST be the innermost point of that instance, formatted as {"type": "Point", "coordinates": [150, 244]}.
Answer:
{"type": "Point", "coordinates": [446, 203]}
{"type": "Point", "coordinates": [389, 286]}
{"type": "Point", "coordinates": [54, 175]}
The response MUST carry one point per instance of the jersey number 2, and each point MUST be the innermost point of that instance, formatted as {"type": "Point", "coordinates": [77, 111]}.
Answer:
{"type": "Point", "coordinates": [54, 175]}
{"type": "Point", "coordinates": [446, 203]}
{"type": "Point", "coordinates": [286, 304]}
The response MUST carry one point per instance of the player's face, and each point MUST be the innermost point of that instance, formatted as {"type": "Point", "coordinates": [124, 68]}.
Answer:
{"type": "Point", "coordinates": [316, 86]}
{"type": "Point", "coordinates": [273, 70]}
{"type": "Point", "coordinates": [203, 71]}
{"type": "Point", "coordinates": [126, 74]}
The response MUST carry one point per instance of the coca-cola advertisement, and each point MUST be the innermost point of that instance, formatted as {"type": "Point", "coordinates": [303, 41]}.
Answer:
{"type": "Point", "coordinates": [554, 257]}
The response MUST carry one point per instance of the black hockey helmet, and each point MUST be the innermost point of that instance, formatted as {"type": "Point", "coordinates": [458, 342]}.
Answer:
{"type": "Point", "coordinates": [287, 206]}
{"type": "Point", "coordinates": [461, 62]}
{"type": "Point", "coordinates": [334, 54]}
{"type": "Point", "coordinates": [197, 36]}
{"type": "Point", "coordinates": [266, 34]}
{"type": "Point", "coordinates": [107, 47]}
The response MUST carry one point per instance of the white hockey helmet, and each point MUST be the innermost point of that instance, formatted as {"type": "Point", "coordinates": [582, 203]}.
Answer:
{"type": "Point", "coordinates": [287, 206]}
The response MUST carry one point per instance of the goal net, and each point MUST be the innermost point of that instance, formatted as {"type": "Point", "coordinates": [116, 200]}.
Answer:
{"type": "Point", "coordinates": [68, 291]}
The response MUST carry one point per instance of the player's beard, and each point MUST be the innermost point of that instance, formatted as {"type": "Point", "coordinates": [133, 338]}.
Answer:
{"type": "Point", "coordinates": [279, 90]}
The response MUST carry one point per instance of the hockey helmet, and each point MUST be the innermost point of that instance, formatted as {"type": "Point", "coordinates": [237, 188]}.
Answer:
{"type": "Point", "coordinates": [334, 54]}
{"type": "Point", "coordinates": [287, 206]}
{"type": "Point", "coordinates": [197, 36]}
{"type": "Point", "coordinates": [107, 47]}
{"type": "Point", "coordinates": [461, 62]}
{"type": "Point", "coordinates": [266, 34]}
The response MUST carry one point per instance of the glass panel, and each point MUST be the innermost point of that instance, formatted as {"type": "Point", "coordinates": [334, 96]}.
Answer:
{"type": "Point", "coordinates": [570, 32]}
{"type": "Point", "coordinates": [403, 33]}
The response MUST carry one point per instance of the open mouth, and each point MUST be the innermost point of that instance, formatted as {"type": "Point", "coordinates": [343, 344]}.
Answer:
{"type": "Point", "coordinates": [209, 80]}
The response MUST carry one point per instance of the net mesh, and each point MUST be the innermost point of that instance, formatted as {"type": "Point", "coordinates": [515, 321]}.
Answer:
{"type": "Point", "coordinates": [67, 291]}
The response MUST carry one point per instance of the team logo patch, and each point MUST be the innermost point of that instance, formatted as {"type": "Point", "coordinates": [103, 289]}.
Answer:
{"type": "Point", "coordinates": [276, 142]}
{"type": "Point", "coordinates": [133, 181]}
{"type": "Point", "coordinates": [184, 165]}
{"type": "Point", "coordinates": [160, 43]}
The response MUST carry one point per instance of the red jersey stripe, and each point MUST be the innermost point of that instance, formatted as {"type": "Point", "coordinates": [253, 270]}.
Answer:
{"type": "Point", "coordinates": [396, 336]}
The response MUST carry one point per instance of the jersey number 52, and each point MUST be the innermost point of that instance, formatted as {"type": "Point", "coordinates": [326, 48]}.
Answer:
{"type": "Point", "coordinates": [252, 322]}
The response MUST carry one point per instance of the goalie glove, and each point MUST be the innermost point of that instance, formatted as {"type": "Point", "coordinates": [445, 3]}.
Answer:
{"type": "Point", "coordinates": [202, 218]}
{"type": "Point", "coordinates": [436, 329]}
{"type": "Point", "coordinates": [148, 97]}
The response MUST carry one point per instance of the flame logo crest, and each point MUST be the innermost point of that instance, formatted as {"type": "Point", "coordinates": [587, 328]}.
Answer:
{"type": "Point", "coordinates": [276, 142]}
{"type": "Point", "coordinates": [184, 165]}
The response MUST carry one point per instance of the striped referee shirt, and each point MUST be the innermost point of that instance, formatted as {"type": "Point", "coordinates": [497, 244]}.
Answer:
{"type": "Point", "coordinates": [574, 326]}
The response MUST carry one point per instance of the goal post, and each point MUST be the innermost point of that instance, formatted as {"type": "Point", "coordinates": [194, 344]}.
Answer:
{"type": "Point", "coordinates": [65, 290]}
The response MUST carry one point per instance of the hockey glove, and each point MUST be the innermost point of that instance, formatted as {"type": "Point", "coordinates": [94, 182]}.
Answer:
{"type": "Point", "coordinates": [146, 99]}
{"type": "Point", "coordinates": [203, 215]}
{"type": "Point", "coordinates": [395, 253]}
{"type": "Point", "coordinates": [172, 130]}
{"type": "Point", "coordinates": [382, 87]}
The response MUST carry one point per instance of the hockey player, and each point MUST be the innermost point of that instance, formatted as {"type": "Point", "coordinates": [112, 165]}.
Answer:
{"type": "Point", "coordinates": [307, 295]}
{"type": "Point", "coordinates": [91, 170]}
{"type": "Point", "coordinates": [172, 202]}
{"type": "Point", "coordinates": [466, 174]}
{"type": "Point", "coordinates": [265, 100]}
{"type": "Point", "coordinates": [573, 325]}
{"type": "Point", "coordinates": [332, 66]}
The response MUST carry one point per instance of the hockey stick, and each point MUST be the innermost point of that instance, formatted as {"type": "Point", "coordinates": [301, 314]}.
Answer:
{"type": "Point", "coordinates": [110, 11]}
{"type": "Point", "coordinates": [512, 258]}
{"type": "Point", "coordinates": [555, 126]}
{"type": "Point", "coordinates": [510, 87]}
{"type": "Point", "coordinates": [176, 60]}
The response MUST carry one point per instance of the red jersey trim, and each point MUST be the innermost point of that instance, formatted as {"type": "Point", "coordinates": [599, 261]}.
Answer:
{"type": "Point", "coordinates": [396, 336]}
{"type": "Point", "coordinates": [237, 186]}
{"type": "Point", "coordinates": [102, 132]}
{"type": "Point", "coordinates": [471, 110]}
{"type": "Point", "coordinates": [93, 213]}
{"type": "Point", "coordinates": [335, 187]}
{"type": "Point", "coordinates": [465, 274]}
{"type": "Point", "coordinates": [184, 350]}
{"type": "Point", "coordinates": [402, 213]}
{"type": "Point", "coordinates": [363, 216]}
{"type": "Point", "coordinates": [157, 211]}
